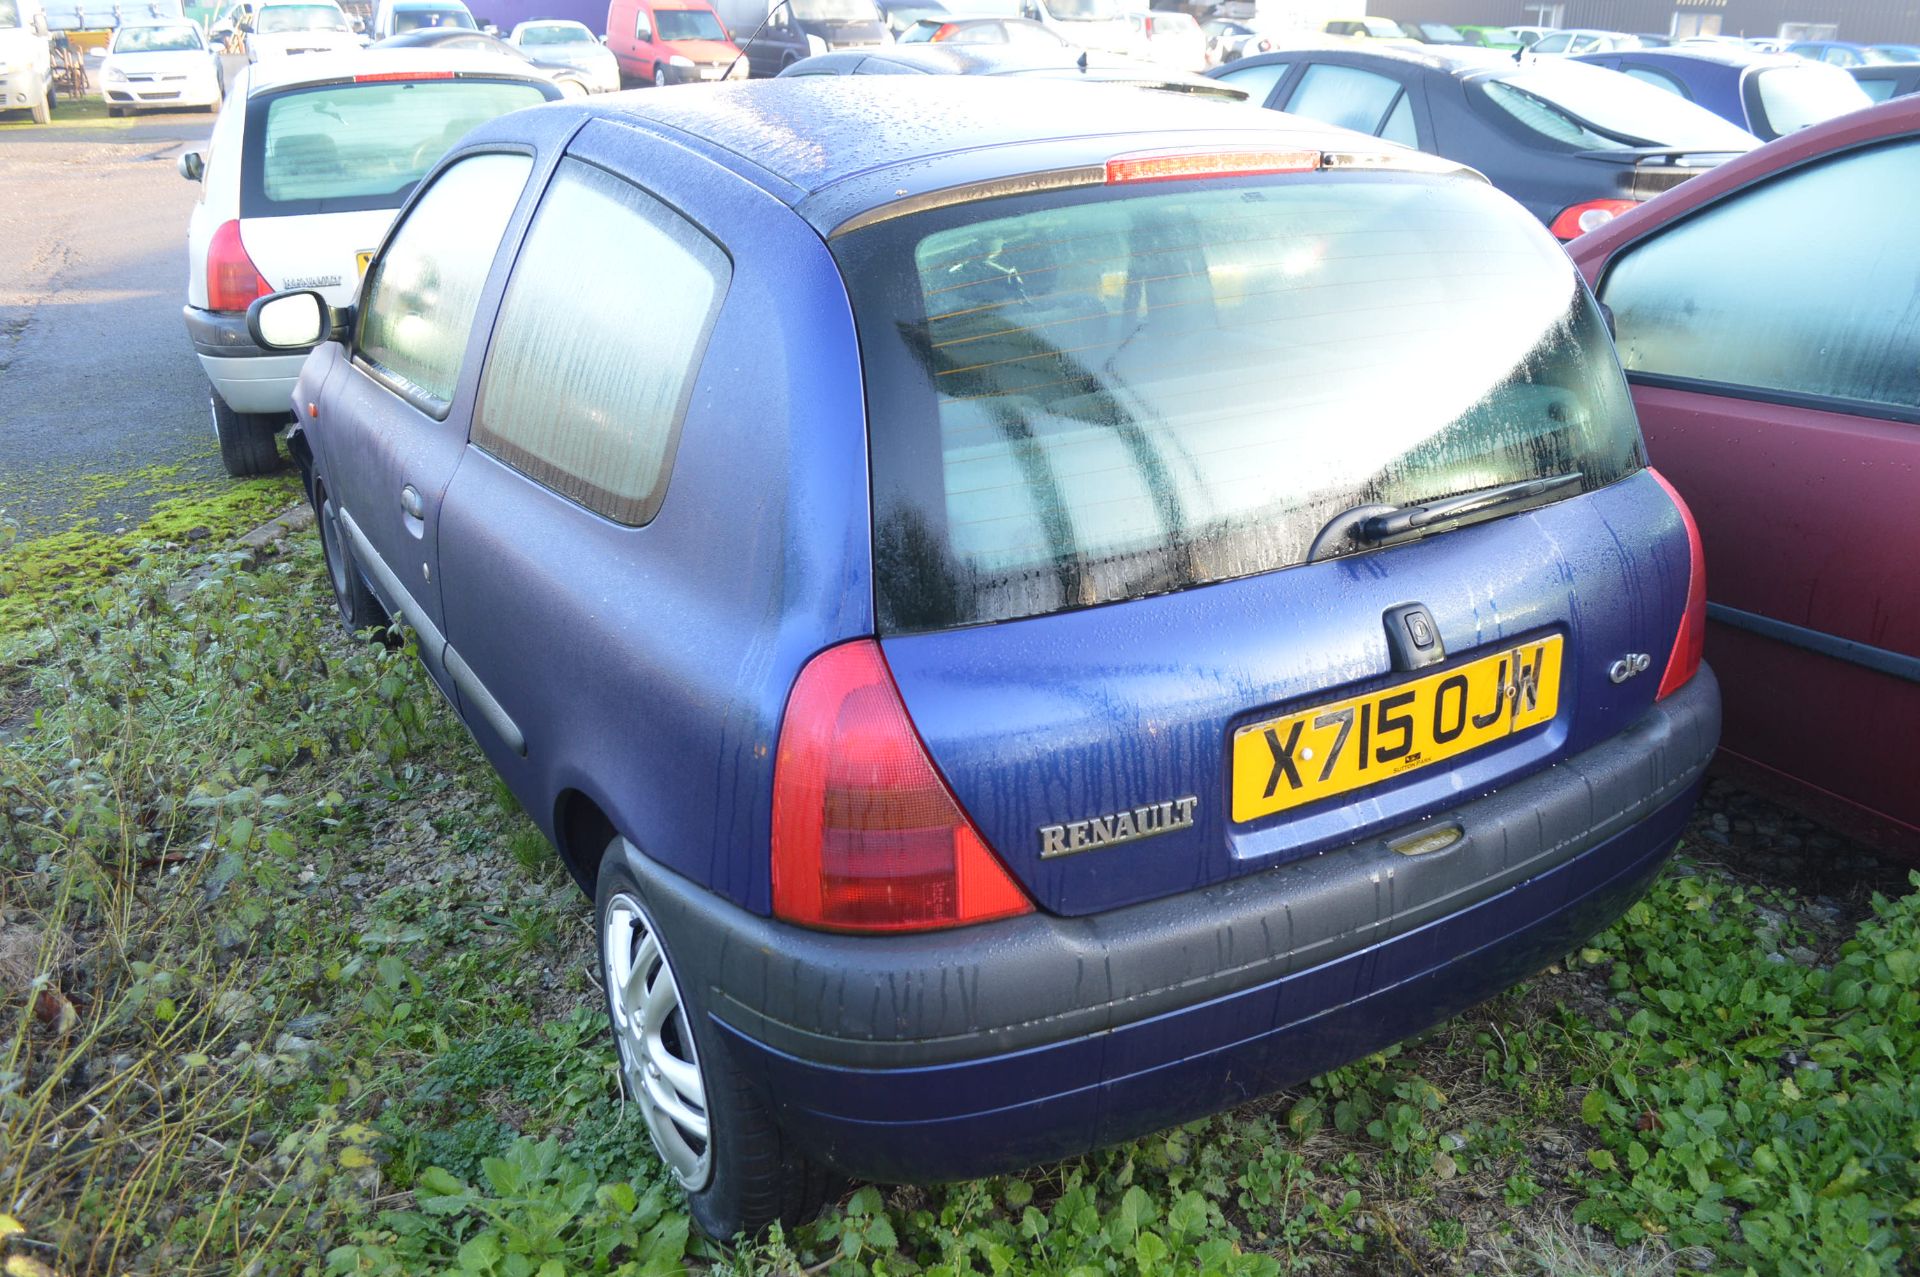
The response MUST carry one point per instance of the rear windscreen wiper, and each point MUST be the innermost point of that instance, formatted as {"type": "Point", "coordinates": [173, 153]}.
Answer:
{"type": "Point", "coordinates": [1410, 518]}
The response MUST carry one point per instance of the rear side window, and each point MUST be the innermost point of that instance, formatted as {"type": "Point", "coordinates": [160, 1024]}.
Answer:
{"type": "Point", "coordinates": [1793, 98]}
{"type": "Point", "coordinates": [420, 296]}
{"type": "Point", "coordinates": [1834, 312]}
{"type": "Point", "coordinates": [598, 340]}
{"type": "Point", "coordinates": [1257, 81]}
{"type": "Point", "coordinates": [1343, 96]}
{"type": "Point", "coordinates": [348, 147]}
{"type": "Point", "coordinates": [1084, 397]}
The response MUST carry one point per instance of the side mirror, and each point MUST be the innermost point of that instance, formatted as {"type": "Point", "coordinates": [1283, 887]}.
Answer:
{"type": "Point", "coordinates": [39, 24]}
{"type": "Point", "coordinates": [192, 166]}
{"type": "Point", "coordinates": [297, 320]}
{"type": "Point", "coordinates": [1606, 313]}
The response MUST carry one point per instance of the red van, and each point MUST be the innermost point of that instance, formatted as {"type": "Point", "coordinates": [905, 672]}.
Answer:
{"type": "Point", "coordinates": [671, 42]}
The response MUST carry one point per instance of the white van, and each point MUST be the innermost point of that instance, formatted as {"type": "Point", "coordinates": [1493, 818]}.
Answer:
{"type": "Point", "coordinates": [26, 60]}
{"type": "Point", "coordinates": [1090, 24]}
{"type": "Point", "coordinates": [396, 17]}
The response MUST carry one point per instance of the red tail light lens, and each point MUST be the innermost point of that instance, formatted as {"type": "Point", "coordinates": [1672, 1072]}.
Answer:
{"type": "Point", "coordinates": [232, 279]}
{"type": "Point", "coordinates": [946, 31]}
{"type": "Point", "coordinates": [1590, 216]}
{"type": "Point", "coordinates": [1684, 661]}
{"type": "Point", "coordinates": [866, 835]}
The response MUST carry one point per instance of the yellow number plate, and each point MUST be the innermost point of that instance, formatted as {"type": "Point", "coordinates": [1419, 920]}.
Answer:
{"type": "Point", "coordinates": [361, 260]}
{"type": "Point", "coordinates": [1302, 757]}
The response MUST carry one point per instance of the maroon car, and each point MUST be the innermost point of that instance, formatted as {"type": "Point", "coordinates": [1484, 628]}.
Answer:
{"type": "Point", "coordinates": [1768, 316]}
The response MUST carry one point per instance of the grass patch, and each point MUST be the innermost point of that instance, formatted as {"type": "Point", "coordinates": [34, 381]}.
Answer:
{"type": "Point", "coordinates": [286, 987]}
{"type": "Point", "coordinates": [87, 112]}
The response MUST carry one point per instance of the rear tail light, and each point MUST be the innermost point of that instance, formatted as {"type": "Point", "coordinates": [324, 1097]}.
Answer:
{"type": "Point", "coordinates": [946, 31]}
{"type": "Point", "coordinates": [866, 835]}
{"type": "Point", "coordinates": [383, 77]}
{"type": "Point", "coordinates": [232, 279]}
{"type": "Point", "coordinates": [1590, 216]}
{"type": "Point", "coordinates": [1173, 166]}
{"type": "Point", "coordinates": [1684, 661]}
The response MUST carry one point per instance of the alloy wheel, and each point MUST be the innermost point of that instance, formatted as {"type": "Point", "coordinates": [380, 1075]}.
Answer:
{"type": "Point", "coordinates": [658, 1058]}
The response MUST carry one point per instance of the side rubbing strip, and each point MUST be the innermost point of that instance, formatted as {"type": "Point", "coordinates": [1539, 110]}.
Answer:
{"type": "Point", "coordinates": [1878, 659]}
{"type": "Point", "coordinates": [473, 692]}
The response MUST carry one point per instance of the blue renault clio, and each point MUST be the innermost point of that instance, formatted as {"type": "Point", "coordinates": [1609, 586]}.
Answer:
{"type": "Point", "coordinates": [1038, 611]}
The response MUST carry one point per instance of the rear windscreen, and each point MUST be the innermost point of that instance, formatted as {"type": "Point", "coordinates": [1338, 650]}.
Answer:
{"type": "Point", "coordinates": [348, 147]}
{"type": "Point", "coordinates": [1075, 399]}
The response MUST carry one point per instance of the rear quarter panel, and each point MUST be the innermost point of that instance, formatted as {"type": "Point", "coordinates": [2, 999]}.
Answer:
{"type": "Point", "coordinates": [649, 667]}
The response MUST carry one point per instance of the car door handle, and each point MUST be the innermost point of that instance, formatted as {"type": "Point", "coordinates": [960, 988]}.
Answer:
{"type": "Point", "coordinates": [410, 502]}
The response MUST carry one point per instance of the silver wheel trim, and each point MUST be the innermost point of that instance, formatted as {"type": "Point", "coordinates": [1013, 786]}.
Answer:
{"type": "Point", "coordinates": [658, 1059]}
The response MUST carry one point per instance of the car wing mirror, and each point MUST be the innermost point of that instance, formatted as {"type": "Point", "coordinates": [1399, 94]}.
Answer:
{"type": "Point", "coordinates": [297, 320]}
{"type": "Point", "coordinates": [192, 166]}
{"type": "Point", "coordinates": [1606, 315]}
{"type": "Point", "coordinates": [38, 25]}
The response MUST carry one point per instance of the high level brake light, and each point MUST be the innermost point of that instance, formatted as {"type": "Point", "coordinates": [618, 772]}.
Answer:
{"type": "Point", "coordinates": [1590, 216]}
{"type": "Point", "coordinates": [1683, 662]}
{"type": "Point", "coordinates": [1173, 166]}
{"type": "Point", "coordinates": [866, 835]}
{"type": "Point", "coordinates": [382, 77]}
{"type": "Point", "coordinates": [232, 279]}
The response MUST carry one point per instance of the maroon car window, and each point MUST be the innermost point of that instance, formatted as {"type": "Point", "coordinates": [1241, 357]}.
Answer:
{"type": "Point", "coordinates": [1802, 285]}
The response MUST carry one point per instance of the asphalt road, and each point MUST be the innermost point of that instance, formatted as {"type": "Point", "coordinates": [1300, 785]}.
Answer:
{"type": "Point", "coordinates": [96, 375]}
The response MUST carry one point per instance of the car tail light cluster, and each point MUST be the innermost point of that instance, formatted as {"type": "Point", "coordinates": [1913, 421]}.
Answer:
{"type": "Point", "coordinates": [232, 279]}
{"type": "Point", "coordinates": [1590, 216]}
{"type": "Point", "coordinates": [1684, 661]}
{"type": "Point", "coordinates": [866, 835]}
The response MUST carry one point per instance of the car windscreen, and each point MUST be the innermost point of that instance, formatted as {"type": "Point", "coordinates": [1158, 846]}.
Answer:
{"type": "Point", "coordinates": [9, 14]}
{"type": "Point", "coordinates": [1087, 396]}
{"type": "Point", "coordinates": [1595, 109]}
{"type": "Point", "coordinates": [278, 19]}
{"type": "Point", "coordinates": [687, 24]}
{"type": "Point", "coordinates": [418, 19]}
{"type": "Point", "coordinates": [1440, 33]}
{"type": "Point", "coordinates": [180, 39]}
{"type": "Point", "coordinates": [347, 147]}
{"type": "Point", "coordinates": [556, 35]}
{"type": "Point", "coordinates": [1791, 98]}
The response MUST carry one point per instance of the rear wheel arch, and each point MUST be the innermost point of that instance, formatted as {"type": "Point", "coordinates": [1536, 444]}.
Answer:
{"type": "Point", "coordinates": [581, 832]}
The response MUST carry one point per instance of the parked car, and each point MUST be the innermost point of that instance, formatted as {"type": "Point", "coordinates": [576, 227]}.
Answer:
{"type": "Point", "coordinates": [1839, 53]}
{"type": "Point", "coordinates": [1171, 39]}
{"type": "Point", "coordinates": [1573, 143]}
{"type": "Point", "coordinates": [308, 160]}
{"type": "Point", "coordinates": [1503, 38]}
{"type": "Point", "coordinates": [1366, 28]}
{"type": "Point", "coordinates": [1567, 43]}
{"type": "Point", "coordinates": [1436, 33]}
{"type": "Point", "coordinates": [279, 28]}
{"type": "Point", "coordinates": [901, 14]}
{"type": "Point", "coordinates": [1888, 80]}
{"type": "Point", "coordinates": [1784, 404]}
{"type": "Point", "coordinates": [572, 81]}
{"type": "Point", "coordinates": [1062, 62]}
{"type": "Point", "coordinates": [1213, 742]}
{"type": "Point", "coordinates": [1100, 25]}
{"type": "Point", "coordinates": [1649, 40]}
{"type": "Point", "coordinates": [562, 42]}
{"type": "Point", "coordinates": [159, 64]}
{"type": "Point", "coordinates": [397, 17]}
{"type": "Point", "coordinates": [26, 60]}
{"type": "Point", "coordinates": [1895, 52]}
{"type": "Point", "coordinates": [786, 33]}
{"type": "Point", "coordinates": [957, 30]}
{"type": "Point", "coordinates": [1230, 39]}
{"type": "Point", "coordinates": [662, 42]}
{"type": "Point", "coordinates": [1767, 94]}
{"type": "Point", "coordinates": [1530, 36]}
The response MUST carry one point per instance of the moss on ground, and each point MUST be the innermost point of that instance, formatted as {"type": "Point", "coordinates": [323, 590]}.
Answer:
{"type": "Point", "coordinates": [39, 574]}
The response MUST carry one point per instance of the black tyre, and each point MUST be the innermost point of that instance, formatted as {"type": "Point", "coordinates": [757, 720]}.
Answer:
{"type": "Point", "coordinates": [713, 1130]}
{"type": "Point", "coordinates": [249, 441]}
{"type": "Point", "coordinates": [42, 111]}
{"type": "Point", "coordinates": [659, 76]}
{"type": "Point", "coordinates": [359, 608]}
{"type": "Point", "coordinates": [114, 113]}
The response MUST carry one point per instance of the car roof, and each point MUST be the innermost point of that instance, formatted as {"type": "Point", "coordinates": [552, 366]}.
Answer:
{"type": "Point", "coordinates": [272, 74]}
{"type": "Point", "coordinates": [1449, 59]}
{"type": "Point", "coordinates": [1731, 55]}
{"type": "Point", "coordinates": [157, 22]}
{"type": "Point", "coordinates": [834, 147]}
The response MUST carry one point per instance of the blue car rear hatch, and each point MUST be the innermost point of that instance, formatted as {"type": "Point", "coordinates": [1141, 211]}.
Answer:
{"type": "Point", "coordinates": [1226, 514]}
